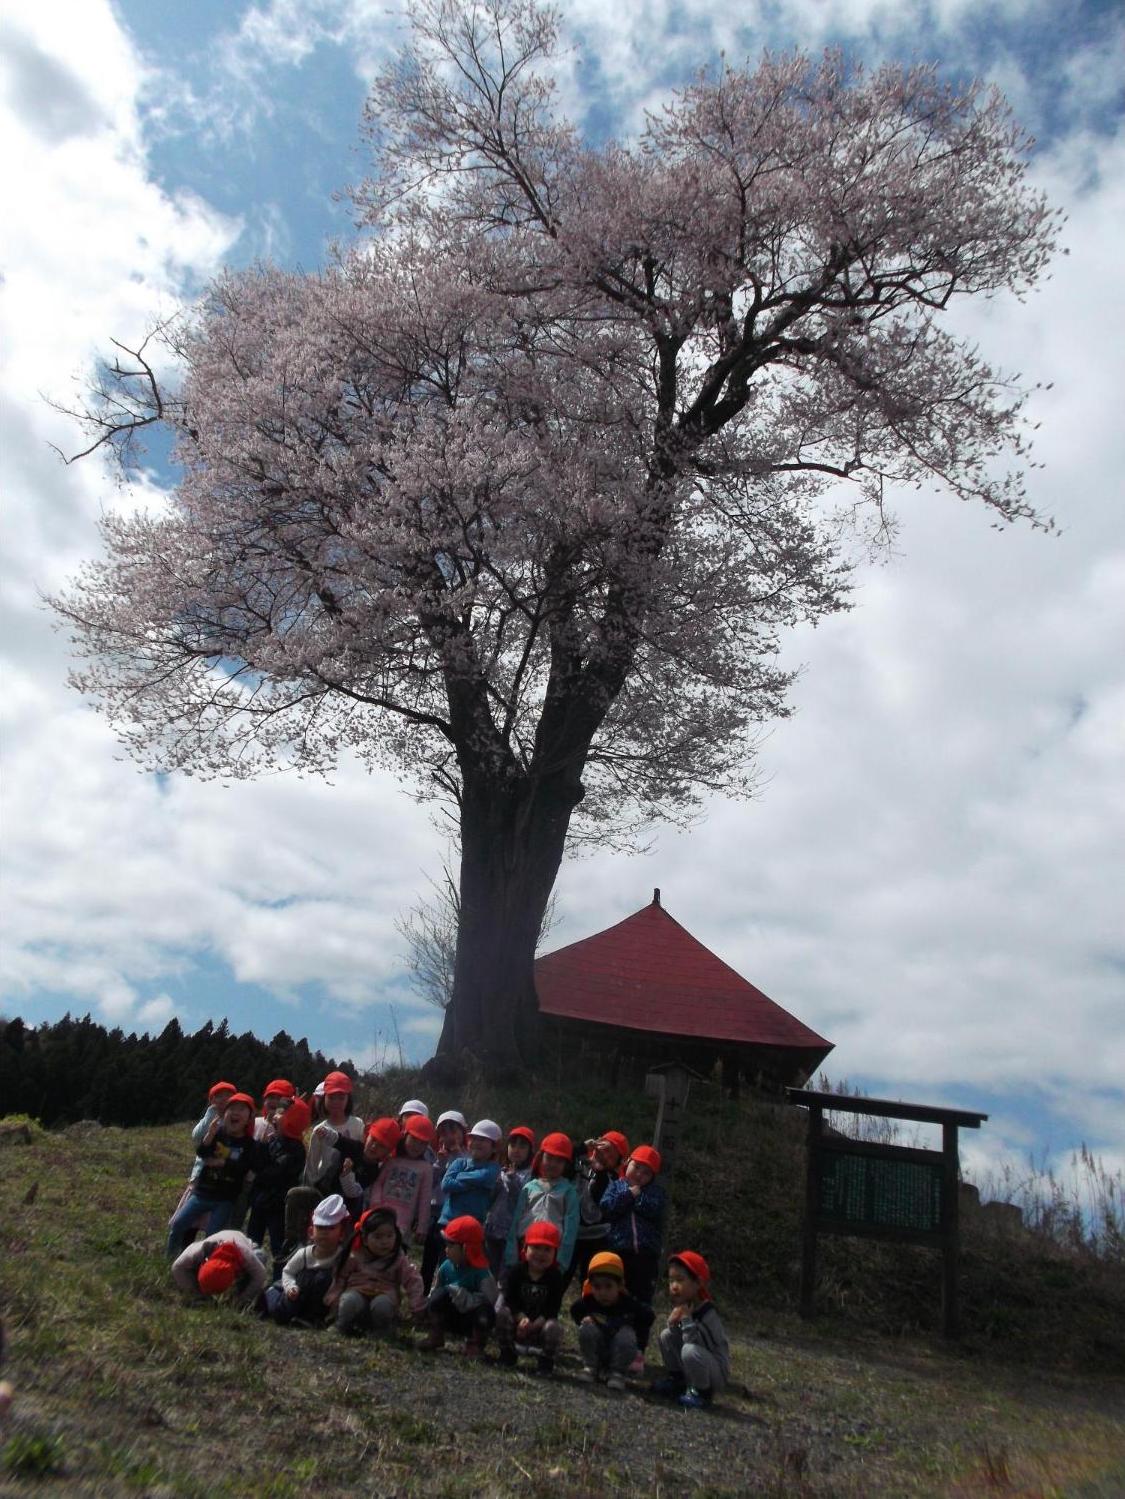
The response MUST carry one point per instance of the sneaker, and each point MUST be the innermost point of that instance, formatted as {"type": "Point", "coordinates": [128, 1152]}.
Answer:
{"type": "Point", "coordinates": [695, 1400]}
{"type": "Point", "coordinates": [670, 1386]}
{"type": "Point", "coordinates": [637, 1367]}
{"type": "Point", "coordinates": [545, 1364]}
{"type": "Point", "coordinates": [508, 1358]}
{"type": "Point", "coordinates": [615, 1381]}
{"type": "Point", "coordinates": [586, 1375]}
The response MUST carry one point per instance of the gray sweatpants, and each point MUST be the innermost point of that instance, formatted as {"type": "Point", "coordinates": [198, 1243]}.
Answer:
{"type": "Point", "coordinates": [358, 1313]}
{"type": "Point", "coordinates": [697, 1364]}
{"type": "Point", "coordinates": [602, 1349]}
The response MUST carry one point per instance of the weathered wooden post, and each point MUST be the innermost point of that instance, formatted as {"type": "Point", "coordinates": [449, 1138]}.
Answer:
{"type": "Point", "coordinates": [670, 1084]}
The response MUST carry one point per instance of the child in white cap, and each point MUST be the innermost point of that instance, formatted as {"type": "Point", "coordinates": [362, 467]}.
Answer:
{"type": "Point", "coordinates": [470, 1183]}
{"type": "Point", "coordinates": [310, 1271]}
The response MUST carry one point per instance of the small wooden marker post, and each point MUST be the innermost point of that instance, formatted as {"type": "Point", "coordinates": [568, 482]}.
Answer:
{"type": "Point", "coordinates": [879, 1191]}
{"type": "Point", "coordinates": [670, 1084]}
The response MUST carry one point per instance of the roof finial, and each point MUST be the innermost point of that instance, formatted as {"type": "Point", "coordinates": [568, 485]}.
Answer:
{"type": "Point", "coordinates": [656, 896]}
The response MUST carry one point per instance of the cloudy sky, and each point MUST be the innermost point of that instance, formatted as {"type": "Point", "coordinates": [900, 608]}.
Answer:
{"type": "Point", "coordinates": [934, 873]}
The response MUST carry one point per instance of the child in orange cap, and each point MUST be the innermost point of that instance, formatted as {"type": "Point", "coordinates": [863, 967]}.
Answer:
{"type": "Point", "coordinates": [217, 1096]}
{"type": "Point", "coordinates": [527, 1310]}
{"type": "Point", "coordinates": [464, 1294]}
{"type": "Point", "coordinates": [610, 1322]}
{"type": "Point", "coordinates": [693, 1346]}
{"type": "Point", "coordinates": [221, 1262]}
{"type": "Point", "coordinates": [548, 1196]}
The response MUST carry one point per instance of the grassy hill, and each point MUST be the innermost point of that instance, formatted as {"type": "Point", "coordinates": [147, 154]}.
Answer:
{"type": "Point", "coordinates": [122, 1389]}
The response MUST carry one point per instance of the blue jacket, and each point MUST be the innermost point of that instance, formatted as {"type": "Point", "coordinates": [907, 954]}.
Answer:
{"type": "Point", "coordinates": [635, 1223]}
{"type": "Point", "coordinates": [544, 1201]}
{"type": "Point", "coordinates": [468, 1188]}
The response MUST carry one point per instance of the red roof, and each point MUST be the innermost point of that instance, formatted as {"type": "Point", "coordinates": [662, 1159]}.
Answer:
{"type": "Point", "coordinates": [648, 973]}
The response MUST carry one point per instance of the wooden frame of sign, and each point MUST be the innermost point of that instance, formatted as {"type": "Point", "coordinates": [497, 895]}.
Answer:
{"type": "Point", "coordinates": [877, 1191]}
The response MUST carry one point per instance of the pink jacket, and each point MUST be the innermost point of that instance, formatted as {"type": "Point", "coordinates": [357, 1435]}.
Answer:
{"type": "Point", "coordinates": [404, 1186]}
{"type": "Point", "coordinates": [396, 1277]}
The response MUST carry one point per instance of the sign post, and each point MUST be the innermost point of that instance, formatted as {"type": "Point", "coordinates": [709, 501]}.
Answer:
{"type": "Point", "coordinates": [877, 1191]}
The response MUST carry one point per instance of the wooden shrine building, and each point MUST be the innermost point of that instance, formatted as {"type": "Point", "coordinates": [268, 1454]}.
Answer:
{"type": "Point", "coordinates": [645, 993]}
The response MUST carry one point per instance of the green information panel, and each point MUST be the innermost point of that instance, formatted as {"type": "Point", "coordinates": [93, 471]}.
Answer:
{"type": "Point", "coordinates": [862, 1189]}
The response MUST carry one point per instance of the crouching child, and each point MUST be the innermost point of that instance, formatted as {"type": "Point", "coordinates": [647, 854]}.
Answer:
{"type": "Point", "coordinates": [310, 1271]}
{"type": "Point", "coordinates": [224, 1261]}
{"type": "Point", "coordinates": [611, 1323]}
{"type": "Point", "coordinates": [464, 1296]}
{"type": "Point", "coordinates": [376, 1278]}
{"type": "Point", "coordinates": [693, 1346]}
{"type": "Point", "coordinates": [527, 1311]}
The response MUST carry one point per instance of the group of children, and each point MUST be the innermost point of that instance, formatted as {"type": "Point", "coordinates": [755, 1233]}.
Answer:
{"type": "Point", "coordinates": [501, 1225]}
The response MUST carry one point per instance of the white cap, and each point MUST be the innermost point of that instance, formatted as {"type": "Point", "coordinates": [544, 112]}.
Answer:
{"type": "Point", "coordinates": [330, 1211]}
{"type": "Point", "coordinates": [414, 1106]}
{"type": "Point", "coordinates": [452, 1116]}
{"type": "Point", "coordinates": [318, 1091]}
{"type": "Point", "coordinates": [488, 1129]}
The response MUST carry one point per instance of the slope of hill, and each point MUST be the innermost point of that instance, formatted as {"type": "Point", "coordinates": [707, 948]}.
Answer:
{"type": "Point", "coordinates": [120, 1388]}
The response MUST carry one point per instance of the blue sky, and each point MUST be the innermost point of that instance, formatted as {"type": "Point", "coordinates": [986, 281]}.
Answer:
{"type": "Point", "coordinates": [932, 875]}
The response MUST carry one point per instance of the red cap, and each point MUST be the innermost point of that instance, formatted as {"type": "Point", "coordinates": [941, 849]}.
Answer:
{"type": "Point", "coordinates": [338, 1082]}
{"type": "Point", "coordinates": [615, 1138]}
{"type": "Point", "coordinates": [557, 1144]}
{"type": "Point", "coordinates": [296, 1119]}
{"type": "Point", "coordinates": [386, 1131]}
{"type": "Point", "coordinates": [220, 1269]}
{"type": "Point", "coordinates": [280, 1087]}
{"type": "Point", "coordinates": [220, 1088]}
{"type": "Point", "coordinates": [521, 1132]}
{"type": "Point", "coordinates": [648, 1155]}
{"type": "Point", "coordinates": [697, 1267]}
{"type": "Point", "coordinates": [242, 1098]}
{"type": "Point", "coordinates": [542, 1232]}
{"type": "Point", "coordinates": [421, 1128]}
{"type": "Point", "coordinates": [469, 1233]}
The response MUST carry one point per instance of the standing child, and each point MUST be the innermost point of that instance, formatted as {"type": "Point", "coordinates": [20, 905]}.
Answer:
{"type": "Point", "coordinates": [451, 1128]}
{"type": "Point", "coordinates": [404, 1183]}
{"type": "Point", "coordinates": [278, 1095]}
{"type": "Point", "coordinates": [310, 1270]}
{"type": "Point", "coordinates": [515, 1172]}
{"type": "Point", "coordinates": [285, 1160]}
{"type": "Point", "coordinates": [222, 1262]}
{"type": "Point", "coordinates": [634, 1209]}
{"type": "Point", "coordinates": [464, 1296]}
{"type": "Point", "coordinates": [602, 1164]}
{"type": "Point", "coordinates": [693, 1346]}
{"type": "Point", "coordinates": [321, 1177]}
{"type": "Point", "coordinates": [470, 1182]}
{"type": "Point", "coordinates": [363, 1163]}
{"type": "Point", "coordinates": [372, 1282]}
{"type": "Point", "coordinates": [228, 1151]}
{"type": "Point", "coordinates": [218, 1096]}
{"type": "Point", "coordinates": [547, 1197]}
{"type": "Point", "coordinates": [527, 1311]}
{"type": "Point", "coordinates": [610, 1322]}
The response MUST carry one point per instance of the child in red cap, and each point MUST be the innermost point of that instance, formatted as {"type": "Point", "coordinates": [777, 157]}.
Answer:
{"type": "Point", "coordinates": [221, 1262]}
{"type": "Point", "coordinates": [217, 1096]}
{"type": "Point", "coordinates": [332, 1115]}
{"type": "Point", "coordinates": [229, 1153]}
{"type": "Point", "coordinates": [527, 1310]}
{"type": "Point", "coordinates": [464, 1294]}
{"type": "Point", "coordinates": [693, 1346]}
{"type": "Point", "coordinates": [549, 1196]}
{"type": "Point", "coordinates": [405, 1181]}
{"type": "Point", "coordinates": [284, 1147]}
{"type": "Point", "coordinates": [602, 1163]}
{"type": "Point", "coordinates": [515, 1173]}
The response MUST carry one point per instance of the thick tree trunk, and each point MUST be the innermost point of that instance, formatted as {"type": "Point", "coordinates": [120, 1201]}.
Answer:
{"type": "Point", "coordinates": [513, 832]}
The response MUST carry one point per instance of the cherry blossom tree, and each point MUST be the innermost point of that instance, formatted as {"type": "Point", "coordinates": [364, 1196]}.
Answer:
{"type": "Point", "coordinates": [517, 496]}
